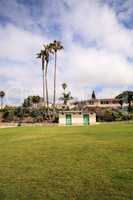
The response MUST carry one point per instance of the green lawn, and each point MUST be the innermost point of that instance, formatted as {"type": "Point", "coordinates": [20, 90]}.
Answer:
{"type": "Point", "coordinates": [67, 163]}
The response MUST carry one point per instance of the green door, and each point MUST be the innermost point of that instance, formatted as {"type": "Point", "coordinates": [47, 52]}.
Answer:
{"type": "Point", "coordinates": [85, 119]}
{"type": "Point", "coordinates": [68, 119]}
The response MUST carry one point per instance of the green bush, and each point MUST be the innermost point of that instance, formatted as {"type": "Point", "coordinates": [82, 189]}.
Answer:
{"type": "Point", "coordinates": [8, 115]}
{"type": "Point", "coordinates": [108, 115]}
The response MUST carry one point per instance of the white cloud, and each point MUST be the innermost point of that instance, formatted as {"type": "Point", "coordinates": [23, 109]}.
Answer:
{"type": "Point", "coordinates": [110, 92]}
{"type": "Point", "coordinates": [93, 21]}
{"type": "Point", "coordinates": [87, 68]}
{"type": "Point", "coordinates": [97, 57]}
{"type": "Point", "coordinates": [18, 44]}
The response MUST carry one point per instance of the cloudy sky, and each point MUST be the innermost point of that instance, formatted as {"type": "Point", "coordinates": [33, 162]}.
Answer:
{"type": "Point", "coordinates": [97, 36]}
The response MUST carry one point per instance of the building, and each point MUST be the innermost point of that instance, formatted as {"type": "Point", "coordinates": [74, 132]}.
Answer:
{"type": "Point", "coordinates": [76, 118]}
{"type": "Point", "coordinates": [99, 103]}
{"type": "Point", "coordinates": [102, 103]}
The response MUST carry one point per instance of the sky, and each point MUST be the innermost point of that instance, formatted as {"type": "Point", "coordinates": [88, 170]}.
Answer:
{"type": "Point", "coordinates": [97, 36]}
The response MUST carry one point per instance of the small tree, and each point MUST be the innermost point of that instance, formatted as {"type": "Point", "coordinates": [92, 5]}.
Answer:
{"type": "Point", "coordinates": [66, 96]}
{"type": "Point", "coordinates": [8, 115]}
{"type": "Point", "coordinates": [27, 102]}
{"type": "Point", "coordinates": [31, 101]}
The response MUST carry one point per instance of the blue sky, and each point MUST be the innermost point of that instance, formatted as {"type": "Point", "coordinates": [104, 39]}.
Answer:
{"type": "Point", "coordinates": [98, 46]}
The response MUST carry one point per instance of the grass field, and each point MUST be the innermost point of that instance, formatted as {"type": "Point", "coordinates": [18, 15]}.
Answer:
{"type": "Point", "coordinates": [67, 163]}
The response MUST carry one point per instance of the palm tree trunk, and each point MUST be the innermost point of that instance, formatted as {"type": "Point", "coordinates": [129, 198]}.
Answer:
{"type": "Point", "coordinates": [46, 84]}
{"type": "Point", "coordinates": [1, 102]}
{"type": "Point", "coordinates": [54, 98]}
{"type": "Point", "coordinates": [43, 88]}
{"type": "Point", "coordinates": [43, 81]}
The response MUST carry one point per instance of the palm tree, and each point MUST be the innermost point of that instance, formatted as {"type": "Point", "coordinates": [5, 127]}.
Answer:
{"type": "Point", "coordinates": [2, 94]}
{"type": "Point", "coordinates": [65, 96]}
{"type": "Point", "coordinates": [35, 100]}
{"type": "Point", "coordinates": [55, 46]}
{"type": "Point", "coordinates": [64, 86]}
{"type": "Point", "coordinates": [47, 51]}
{"type": "Point", "coordinates": [41, 55]}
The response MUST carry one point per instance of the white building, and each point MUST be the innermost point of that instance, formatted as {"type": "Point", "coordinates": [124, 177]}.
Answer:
{"type": "Point", "coordinates": [102, 103]}
{"type": "Point", "coordinates": [76, 118]}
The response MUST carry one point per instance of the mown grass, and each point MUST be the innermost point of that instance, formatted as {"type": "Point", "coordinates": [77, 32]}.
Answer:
{"type": "Point", "coordinates": [67, 163]}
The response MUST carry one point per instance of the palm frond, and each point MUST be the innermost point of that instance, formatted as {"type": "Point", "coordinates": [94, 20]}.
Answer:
{"type": "Point", "coordinates": [56, 45]}
{"type": "Point", "coordinates": [2, 93]}
{"type": "Point", "coordinates": [38, 55]}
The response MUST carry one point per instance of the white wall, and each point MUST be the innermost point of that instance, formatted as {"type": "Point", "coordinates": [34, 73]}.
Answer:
{"type": "Point", "coordinates": [62, 119]}
{"type": "Point", "coordinates": [77, 119]}
{"type": "Point", "coordinates": [92, 118]}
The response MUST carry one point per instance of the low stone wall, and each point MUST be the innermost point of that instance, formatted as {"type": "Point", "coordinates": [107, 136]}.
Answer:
{"type": "Point", "coordinates": [6, 125]}
{"type": "Point", "coordinates": [9, 125]}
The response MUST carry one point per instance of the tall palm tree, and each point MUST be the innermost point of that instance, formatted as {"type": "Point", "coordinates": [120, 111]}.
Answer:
{"type": "Point", "coordinates": [41, 55]}
{"type": "Point", "coordinates": [55, 46]}
{"type": "Point", "coordinates": [47, 51]}
{"type": "Point", "coordinates": [2, 94]}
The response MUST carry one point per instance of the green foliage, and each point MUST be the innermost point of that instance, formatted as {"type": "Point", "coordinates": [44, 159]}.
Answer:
{"type": "Point", "coordinates": [2, 94]}
{"type": "Point", "coordinates": [19, 112]}
{"type": "Point", "coordinates": [56, 46]}
{"type": "Point", "coordinates": [66, 96]}
{"type": "Point", "coordinates": [64, 86]}
{"type": "Point", "coordinates": [8, 115]}
{"type": "Point", "coordinates": [40, 114]}
{"type": "Point", "coordinates": [28, 102]}
{"type": "Point", "coordinates": [31, 101]}
{"type": "Point", "coordinates": [35, 113]}
{"type": "Point", "coordinates": [126, 97]}
{"type": "Point", "coordinates": [24, 114]}
{"type": "Point", "coordinates": [109, 115]}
